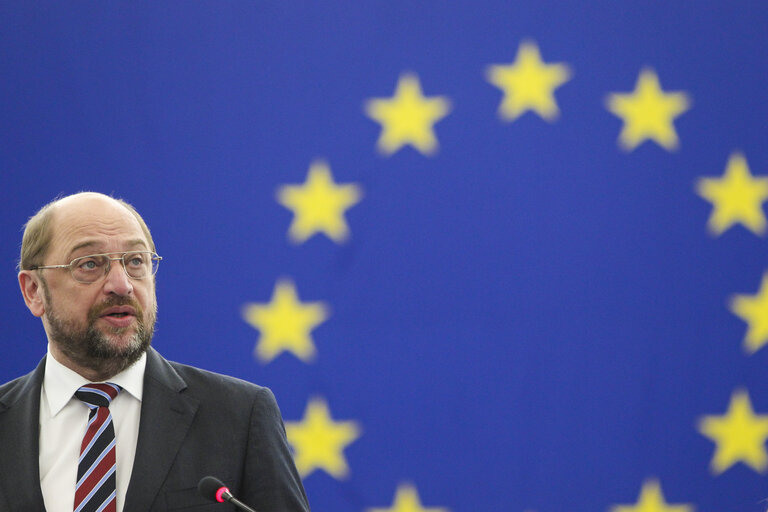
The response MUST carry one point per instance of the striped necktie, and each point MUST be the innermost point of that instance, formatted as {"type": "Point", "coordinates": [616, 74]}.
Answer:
{"type": "Point", "coordinates": [95, 491]}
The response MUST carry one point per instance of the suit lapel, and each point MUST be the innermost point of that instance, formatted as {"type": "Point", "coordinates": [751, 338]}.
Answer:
{"type": "Point", "coordinates": [166, 415]}
{"type": "Point", "coordinates": [19, 435]}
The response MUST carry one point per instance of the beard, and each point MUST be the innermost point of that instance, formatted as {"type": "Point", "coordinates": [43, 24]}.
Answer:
{"type": "Point", "coordinates": [88, 347]}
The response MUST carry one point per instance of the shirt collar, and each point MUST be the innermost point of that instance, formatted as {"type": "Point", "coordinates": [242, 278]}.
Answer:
{"type": "Point", "coordinates": [60, 383]}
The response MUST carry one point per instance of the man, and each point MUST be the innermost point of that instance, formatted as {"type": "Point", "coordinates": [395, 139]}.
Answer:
{"type": "Point", "coordinates": [105, 422]}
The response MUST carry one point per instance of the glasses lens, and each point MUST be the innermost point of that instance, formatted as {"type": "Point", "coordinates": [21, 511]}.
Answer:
{"type": "Point", "coordinates": [140, 264]}
{"type": "Point", "coordinates": [89, 269]}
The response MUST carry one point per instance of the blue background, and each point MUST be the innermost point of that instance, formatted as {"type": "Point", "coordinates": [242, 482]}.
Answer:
{"type": "Point", "coordinates": [531, 319]}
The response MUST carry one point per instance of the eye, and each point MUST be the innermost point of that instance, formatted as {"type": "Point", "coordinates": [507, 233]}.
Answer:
{"type": "Point", "coordinates": [136, 260]}
{"type": "Point", "coordinates": [88, 264]}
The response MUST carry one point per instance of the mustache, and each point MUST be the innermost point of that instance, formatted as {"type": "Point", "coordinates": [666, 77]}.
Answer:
{"type": "Point", "coordinates": [115, 300]}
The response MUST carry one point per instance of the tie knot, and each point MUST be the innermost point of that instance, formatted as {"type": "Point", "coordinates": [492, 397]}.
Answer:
{"type": "Point", "coordinates": [98, 395]}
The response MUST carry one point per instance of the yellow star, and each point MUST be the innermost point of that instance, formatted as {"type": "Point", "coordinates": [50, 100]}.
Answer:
{"type": "Point", "coordinates": [319, 204]}
{"type": "Point", "coordinates": [651, 499]}
{"type": "Point", "coordinates": [407, 500]}
{"type": "Point", "coordinates": [740, 435]}
{"type": "Point", "coordinates": [408, 117]}
{"type": "Point", "coordinates": [528, 84]}
{"type": "Point", "coordinates": [285, 323]}
{"type": "Point", "coordinates": [753, 309]}
{"type": "Point", "coordinates": [648, 112]}
{"type": "Point", "coordinates": [318, 441]}
{"type": "Point", "coordinates": [736, 197]}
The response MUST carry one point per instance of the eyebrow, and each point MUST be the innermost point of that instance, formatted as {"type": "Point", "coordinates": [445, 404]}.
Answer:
{"type": "Point", "coordinates": [92, 243]}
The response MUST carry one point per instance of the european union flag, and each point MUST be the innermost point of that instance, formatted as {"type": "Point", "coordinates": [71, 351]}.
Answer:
{"type": "Point", "coordinates": [490, 256]}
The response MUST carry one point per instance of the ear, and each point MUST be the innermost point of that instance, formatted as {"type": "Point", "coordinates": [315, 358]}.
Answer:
{"type": "Point", "coordinates": [32, 290]}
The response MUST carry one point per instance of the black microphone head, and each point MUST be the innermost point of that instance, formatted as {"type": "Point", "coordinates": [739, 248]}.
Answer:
{"type": "Point", "coordinates": [209, 488]}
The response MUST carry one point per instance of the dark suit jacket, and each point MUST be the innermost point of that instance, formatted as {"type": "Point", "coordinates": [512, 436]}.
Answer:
{"type": "Point", "coordinates": [193, 424]}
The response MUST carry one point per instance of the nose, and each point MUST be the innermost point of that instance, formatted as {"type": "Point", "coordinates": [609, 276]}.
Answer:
{"type": "Point", "coordinates": [117, 281]}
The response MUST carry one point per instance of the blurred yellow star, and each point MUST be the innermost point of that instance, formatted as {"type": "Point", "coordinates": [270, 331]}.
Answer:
{"type": "Point", "coordinates": [408, 117]}
{"type": "Point", "coordinates": [319, 204]}
{"type": "Point", "coordinates": [739, 434]}
{"type": "Point", "coordinates": [736, 197]}
{"type": "Point", "coordinates": [528, 84]}
{"type": "Point", "coordinates": [648, 112]}
{"type": "Point", "coordinates": [318, 441]}
{"type": "Point", "coordinates": [407, 500]}
{"type": "Point", "coordinates": [753, 309]}
{"type": "Point", "coordinates": [285, 323]}
{"type": "Point", "coordinates": [651, 499]}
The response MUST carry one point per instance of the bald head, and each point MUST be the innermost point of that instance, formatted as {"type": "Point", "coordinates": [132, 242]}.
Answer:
{"type": "Point", "coordinates": [57, 217]}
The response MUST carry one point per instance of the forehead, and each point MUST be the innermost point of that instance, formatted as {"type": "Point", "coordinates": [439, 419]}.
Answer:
{"type": "Point", "coordinates": [95, 222]}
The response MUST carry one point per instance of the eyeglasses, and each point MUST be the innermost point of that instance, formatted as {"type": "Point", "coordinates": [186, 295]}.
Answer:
{"type": "Point", "coordinates": [91, 268]}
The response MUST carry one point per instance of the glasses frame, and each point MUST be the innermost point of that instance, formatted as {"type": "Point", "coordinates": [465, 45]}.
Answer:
{"type": "Point", "coordinates": [71, 266]}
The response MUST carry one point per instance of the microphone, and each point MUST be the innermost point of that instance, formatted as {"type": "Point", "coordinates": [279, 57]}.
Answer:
{"type": "Point", "coordinates": [214, 489]}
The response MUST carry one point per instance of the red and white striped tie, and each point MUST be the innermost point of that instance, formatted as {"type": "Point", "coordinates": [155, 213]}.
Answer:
{"type": "Point", "coordinates": [96, 490]}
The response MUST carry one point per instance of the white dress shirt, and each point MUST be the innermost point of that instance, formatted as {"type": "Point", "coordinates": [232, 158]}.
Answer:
{"type": "Point", "coordinates": [63, 421]}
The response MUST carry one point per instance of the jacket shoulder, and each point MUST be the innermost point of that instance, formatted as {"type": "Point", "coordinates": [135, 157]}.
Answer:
{"type": "Point", "coordinates": [208, 382]}
{"type": "Point", "coordinates": [12, 390]}
{"type": "Point", "coordinates": [9, 390]}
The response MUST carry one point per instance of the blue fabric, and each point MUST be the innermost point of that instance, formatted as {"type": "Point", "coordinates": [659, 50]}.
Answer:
{"type": "Point", "coordinates": [532, 315]}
